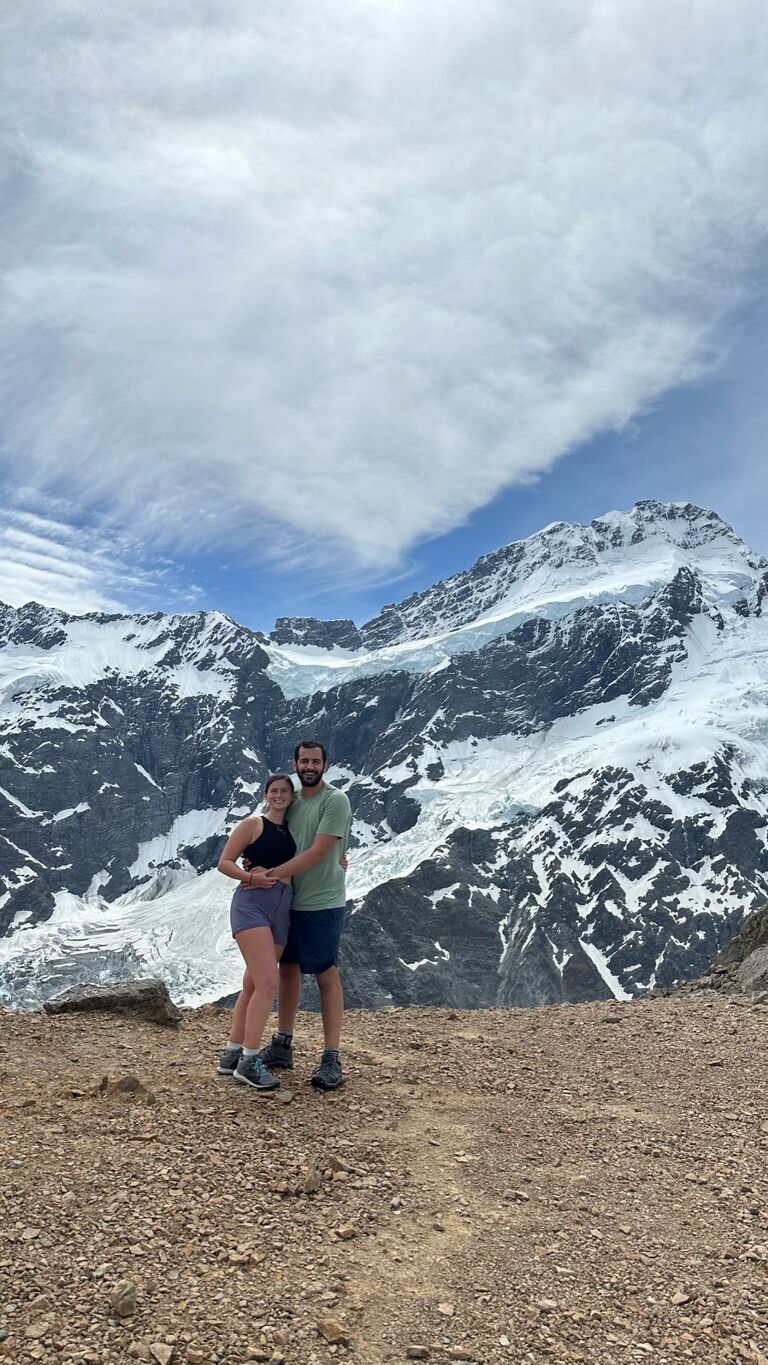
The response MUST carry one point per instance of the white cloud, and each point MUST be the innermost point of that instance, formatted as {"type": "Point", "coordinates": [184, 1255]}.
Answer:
{"type": "Point", "coordinates": [44, 558]}
{"type": "Point", "coordinates": [331, 276]}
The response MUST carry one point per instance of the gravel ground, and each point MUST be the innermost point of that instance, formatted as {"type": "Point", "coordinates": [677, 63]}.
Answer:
{"type": "Point", "coordinates": [583, 1183]}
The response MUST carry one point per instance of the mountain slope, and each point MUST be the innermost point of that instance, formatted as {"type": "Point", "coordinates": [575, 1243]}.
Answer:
{"type": "Point", "coordinates": [557, 764]}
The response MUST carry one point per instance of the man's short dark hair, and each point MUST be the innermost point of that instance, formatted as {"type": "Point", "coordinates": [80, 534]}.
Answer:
{"type": "Point", "coordinates": [309, 744]}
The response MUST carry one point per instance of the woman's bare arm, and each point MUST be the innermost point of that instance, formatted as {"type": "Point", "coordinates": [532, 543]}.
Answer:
{"type": "Point", "coordinates": [241, 836]}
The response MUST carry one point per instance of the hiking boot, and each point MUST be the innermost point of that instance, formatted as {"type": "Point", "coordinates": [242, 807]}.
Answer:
{"type": "Point", "coordinates": [252, 1071]}
{"type": "Point", "coordinates": [277, 1054]}
{"type": "Point", "coordinates": [228, 1060]}
{"type": "Point", "coordinates": [327, 1076]}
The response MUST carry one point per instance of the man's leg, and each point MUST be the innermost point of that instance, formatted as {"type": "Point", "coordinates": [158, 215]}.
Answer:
{"type": "Point", "coordinates": [289, 990]}
{"type": "Point", "coordinates": [331, 1006]}
{"type": "Point", "coordinates": [328, 1075]}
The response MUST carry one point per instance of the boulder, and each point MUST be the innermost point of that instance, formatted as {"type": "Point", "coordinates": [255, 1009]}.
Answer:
{"type": "Point", "coordinates": [139, 999]}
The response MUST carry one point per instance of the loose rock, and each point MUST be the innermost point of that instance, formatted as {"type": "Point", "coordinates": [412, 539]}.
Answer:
{"type": "Point", "coordinates": [123, 1298]}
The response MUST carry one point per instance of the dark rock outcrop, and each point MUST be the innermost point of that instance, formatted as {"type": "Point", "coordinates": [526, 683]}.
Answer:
{"type": "Point", "coordinates": [148, 1000]}
{"type": "Point", "coordinates": [743, 963]}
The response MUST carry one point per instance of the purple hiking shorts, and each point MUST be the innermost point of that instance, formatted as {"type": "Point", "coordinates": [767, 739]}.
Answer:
{"type": "Point", "coordinates": [262, 908]}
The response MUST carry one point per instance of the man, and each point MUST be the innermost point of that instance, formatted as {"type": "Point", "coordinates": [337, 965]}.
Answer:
{"type": "Point", "coordinates": [319, 820]}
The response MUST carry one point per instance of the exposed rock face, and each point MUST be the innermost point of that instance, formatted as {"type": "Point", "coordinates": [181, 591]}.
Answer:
{"type": "Point", "coordinates": [147, 1000]}
{"type": "Point", "coordinates": [556, 761]}
{"type": "Point", "coordinates": [743, 963]}
{"type": "Point", "coordinates": [307, 630]}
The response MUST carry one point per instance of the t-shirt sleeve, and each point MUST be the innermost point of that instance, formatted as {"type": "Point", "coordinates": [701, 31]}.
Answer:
{"type": "Point", "coordinates": [336, 815]}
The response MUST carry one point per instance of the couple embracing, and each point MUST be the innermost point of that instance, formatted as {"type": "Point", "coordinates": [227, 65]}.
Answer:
{"type": "Point", "coordinates": [288, 909]}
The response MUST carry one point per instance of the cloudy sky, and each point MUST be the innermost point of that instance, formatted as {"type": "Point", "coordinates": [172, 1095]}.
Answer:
{"type": "Point", "coordinates": [306, 305]}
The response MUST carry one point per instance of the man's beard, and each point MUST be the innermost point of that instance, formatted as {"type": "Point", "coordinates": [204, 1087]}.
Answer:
{"type": "Point", "coordinates": [309, 779]}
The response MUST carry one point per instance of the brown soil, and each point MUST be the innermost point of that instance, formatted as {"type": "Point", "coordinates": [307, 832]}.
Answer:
{"type": "Point", "coordinates": [584, 1183]}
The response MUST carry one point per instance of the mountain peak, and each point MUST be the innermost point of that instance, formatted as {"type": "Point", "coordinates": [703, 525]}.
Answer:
{"type": "Point", "coordinates": [624, 556]}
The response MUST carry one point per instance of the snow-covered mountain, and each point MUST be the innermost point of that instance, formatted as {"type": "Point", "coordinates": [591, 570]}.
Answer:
{"type": "Point", "coordinates": [557, 760]}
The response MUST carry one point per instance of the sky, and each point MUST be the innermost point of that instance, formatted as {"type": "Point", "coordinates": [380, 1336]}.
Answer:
{"type": "Point", "coordinates": [304, 307]}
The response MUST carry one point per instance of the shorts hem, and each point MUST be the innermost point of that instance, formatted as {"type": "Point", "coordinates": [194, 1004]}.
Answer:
{"type": "Point", "coordinates": [310, 969]}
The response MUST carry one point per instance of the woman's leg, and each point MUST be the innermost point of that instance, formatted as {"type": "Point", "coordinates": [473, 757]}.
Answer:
{"type": "Point", "coordinates": [237, 1028]}
{"type": "Point", "coordinates": [258, 949]}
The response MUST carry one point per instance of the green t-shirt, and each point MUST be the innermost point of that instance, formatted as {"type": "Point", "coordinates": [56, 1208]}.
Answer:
{"type": "Point", "coordinates": [322, 887]}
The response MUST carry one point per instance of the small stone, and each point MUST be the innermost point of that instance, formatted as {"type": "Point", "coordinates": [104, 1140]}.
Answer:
{"type": "Point", "coordinates": [417, 1352]}
{"type": "Point", "coordinates": [122, 1300]}
{"type": "Point", "coordinates": [195, 1357]}
{"type": "Point", "coordinates": [446, 1309]}
{"type": "Point", "coordinates": [160, 1352]}
{"type": "Point", "coordinates": [257, 1353]}
{"type": "Point", "coordinates": [680, 1296]}
{"type": "Point", "coordinates": [346, 1232]}
{"type": "Point", "coordinates": [333, 1331]}
{"type": "Point", "coordinates": [460, 1353]}
{"type": "Point", "coordinates": [313, 1180]}
{"type": "Point", "coordinates": [29, 1234]}
{"type": "Point", "coordinates": [547, 1305]}
{"type": "Point", "coordinates": [283, 1097]}
{"type": "Point", "coordinates": [37, 1330]}
{"type": "Point", "coordinates": [41, 1304]}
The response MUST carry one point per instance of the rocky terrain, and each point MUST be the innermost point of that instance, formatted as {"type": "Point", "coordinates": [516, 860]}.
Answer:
{"type": "Point", "coordinates": [580, 1183]}
{"type": "Point", "coordinates": [556, 762]}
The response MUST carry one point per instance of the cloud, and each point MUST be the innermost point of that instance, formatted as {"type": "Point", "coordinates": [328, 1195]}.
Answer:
{"type": "Point", "coordinates": [320, 280]}
{"type": "Point", "coordinates": [46, 558]}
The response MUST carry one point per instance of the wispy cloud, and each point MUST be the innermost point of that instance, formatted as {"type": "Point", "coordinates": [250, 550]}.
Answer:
{"type": "Point", "coordinates": [81, 569]}
{"type": "Point", "coordinates": [320, 280]}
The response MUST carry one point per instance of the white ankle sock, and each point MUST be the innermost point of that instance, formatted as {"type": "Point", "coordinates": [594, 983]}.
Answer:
{"type": "Point", "coordinates": [249, 1052]}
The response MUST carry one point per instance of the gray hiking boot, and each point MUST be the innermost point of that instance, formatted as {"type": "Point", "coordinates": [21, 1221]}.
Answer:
{"type": "Point", "coordinates": [277, 1054]}
{"type": "Point", "coordinates": [228, 1060]}
{"type": "Point", "coordinates": [327, 1076]}
{"type": "Point", "coordinates": [252, 1071]}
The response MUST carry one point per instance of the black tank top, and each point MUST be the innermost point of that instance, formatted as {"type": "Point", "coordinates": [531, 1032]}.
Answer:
{"type": "Point", "coordinates": [274, 845]}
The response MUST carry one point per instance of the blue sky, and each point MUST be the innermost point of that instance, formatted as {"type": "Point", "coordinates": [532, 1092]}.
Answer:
{"type": "Point", "coordinates": [305, 309]}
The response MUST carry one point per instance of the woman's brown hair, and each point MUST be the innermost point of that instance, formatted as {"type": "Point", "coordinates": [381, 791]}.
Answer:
{"type": "Point", "coordinates": [278, 777]}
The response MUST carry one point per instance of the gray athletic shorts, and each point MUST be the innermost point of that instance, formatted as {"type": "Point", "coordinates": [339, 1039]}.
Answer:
{"type": "Point", "coordinates": [262, 908]}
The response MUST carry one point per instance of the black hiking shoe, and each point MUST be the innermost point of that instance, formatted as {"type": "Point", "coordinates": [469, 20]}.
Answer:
{"type": "Point", "coordinates": [228, 1060]}
{"type": "Point", "coordinates": [327, 1076]}
{"type": "Point", "coordinates": [278, 1055]}
{"type": "Point", "coordinates": [252, 1071]}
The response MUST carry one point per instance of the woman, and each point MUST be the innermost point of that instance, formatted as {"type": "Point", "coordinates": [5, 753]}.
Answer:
{"type": "Point", "coordinates": [259, 919]}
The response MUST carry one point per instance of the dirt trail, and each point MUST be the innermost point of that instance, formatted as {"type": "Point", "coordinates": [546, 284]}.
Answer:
{"type": "Point", "coordinates": [585, 1183]}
